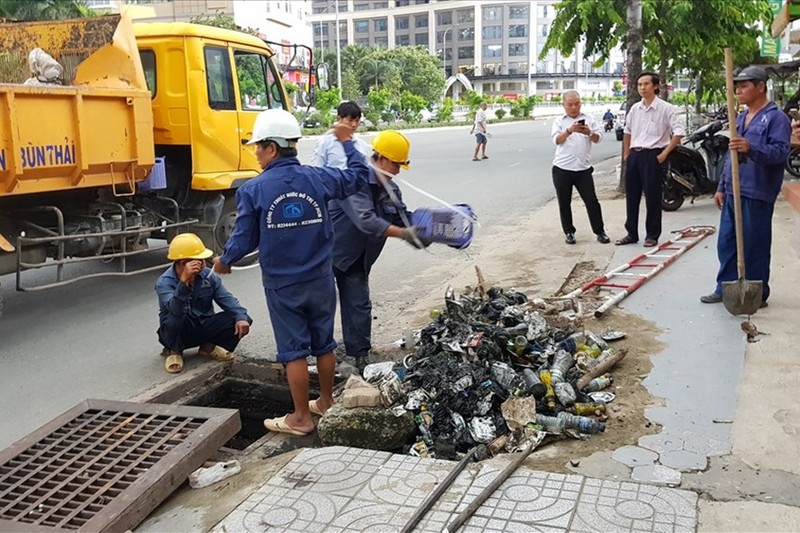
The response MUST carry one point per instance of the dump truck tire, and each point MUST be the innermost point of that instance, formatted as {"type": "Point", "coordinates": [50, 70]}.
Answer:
{"type": "Point", "coordinates": [224, 229]}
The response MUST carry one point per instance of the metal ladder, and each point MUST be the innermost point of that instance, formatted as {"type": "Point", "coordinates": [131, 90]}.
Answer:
{"type": "Point", "coordinates": [642, 268]}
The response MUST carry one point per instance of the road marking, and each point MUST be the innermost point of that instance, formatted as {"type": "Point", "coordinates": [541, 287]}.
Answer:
{"type": "Point", "coordinates": [513, 165]}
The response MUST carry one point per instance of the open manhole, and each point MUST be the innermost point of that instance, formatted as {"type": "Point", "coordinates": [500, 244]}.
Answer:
{"type": "Point", "coordinates": [257, 390]}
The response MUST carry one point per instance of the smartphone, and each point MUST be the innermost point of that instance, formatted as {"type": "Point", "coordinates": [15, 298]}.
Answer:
{"type": "Point", "coordinates": [582, 122]}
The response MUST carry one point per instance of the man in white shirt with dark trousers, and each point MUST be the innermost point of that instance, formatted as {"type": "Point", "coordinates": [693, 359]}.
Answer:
{"type": "Point", "coordinates": [573, 134]}
{"type": "Point", "coordinates": [652, 130]}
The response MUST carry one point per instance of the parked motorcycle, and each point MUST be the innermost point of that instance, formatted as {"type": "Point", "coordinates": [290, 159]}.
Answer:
{"type": "Point", "coordinates": [694, 167]}
{"type": "Point", "coordinates": [793, 162]}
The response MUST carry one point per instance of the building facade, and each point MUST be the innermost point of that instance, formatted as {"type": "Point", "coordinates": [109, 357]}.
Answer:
{"type": "Point", "coordinates": [495, 44]}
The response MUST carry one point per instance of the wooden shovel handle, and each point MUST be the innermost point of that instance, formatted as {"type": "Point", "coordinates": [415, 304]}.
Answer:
{"type": "Point", "coordinates": [737, 199]}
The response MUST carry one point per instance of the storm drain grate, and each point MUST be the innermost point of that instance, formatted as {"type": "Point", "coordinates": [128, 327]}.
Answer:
{"type": "Point", "coordinates": [105, 465]}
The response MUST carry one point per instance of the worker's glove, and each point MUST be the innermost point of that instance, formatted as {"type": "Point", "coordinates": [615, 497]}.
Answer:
{"type": "Point", "coordinates": [413, 237]}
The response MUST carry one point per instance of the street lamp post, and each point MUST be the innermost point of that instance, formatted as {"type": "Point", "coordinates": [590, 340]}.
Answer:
{"type": "Point", "coordinates": [338, 45]}
{"type": "Point", "coordinates": [444, 51]}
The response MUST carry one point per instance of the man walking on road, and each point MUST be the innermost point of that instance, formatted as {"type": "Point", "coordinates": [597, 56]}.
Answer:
{"type": "Point", "coordinates": [479, 129]}
{"type": "Point", "coordinates": [652, 130]}
{"type": "Point", "coordinates": [187, 291]}
{"type": "Point", "coordinates": [762, 146]}
{"type": "Point", "coordinates": [283, 212]}
{"type": "Point", "coordinates": [573, 134]}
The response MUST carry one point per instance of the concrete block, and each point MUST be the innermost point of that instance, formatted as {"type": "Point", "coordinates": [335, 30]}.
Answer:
{"type": "Point", "coordinates": [366, 397]}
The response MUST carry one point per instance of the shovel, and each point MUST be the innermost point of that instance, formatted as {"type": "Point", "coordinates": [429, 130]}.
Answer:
{"type": "Point", "coordinates": [740, 297]}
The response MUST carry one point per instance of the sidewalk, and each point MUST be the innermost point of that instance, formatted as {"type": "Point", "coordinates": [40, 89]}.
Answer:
{"type": "Point", "coordinates": [727, 411]}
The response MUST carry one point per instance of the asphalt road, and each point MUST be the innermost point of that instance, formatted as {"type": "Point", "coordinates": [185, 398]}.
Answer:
{"type": "Point", "coordinates": [96, 338]}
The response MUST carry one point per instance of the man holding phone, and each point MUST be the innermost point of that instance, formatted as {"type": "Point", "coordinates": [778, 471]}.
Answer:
{"type": "Point", "coordinates": [186, 295]}
{"type": "Point", "coordinates": [573, 134]}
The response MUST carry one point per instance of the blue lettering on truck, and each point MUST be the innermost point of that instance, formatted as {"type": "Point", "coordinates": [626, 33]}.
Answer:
{"type": "Point", "coordinates": [45, 155]}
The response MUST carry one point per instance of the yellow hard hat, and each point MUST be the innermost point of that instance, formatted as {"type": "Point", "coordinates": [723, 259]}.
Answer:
{"type": "Point", "coordinates": [394, 146]}
{"type": "Point", "coordinates": [187, 246]}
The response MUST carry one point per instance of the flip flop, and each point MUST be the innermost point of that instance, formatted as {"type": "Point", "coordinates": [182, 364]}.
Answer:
{"type": "Point", "coordinates": [218, 354]}
{"type": "Point", "coordinates": [279, 425]}
{"type": "Point", "coordinates": [486, 157]}
{"type": "Point", "coordinates": [174, 363]}
{"type": "Point", "coordinates": [312, 406]}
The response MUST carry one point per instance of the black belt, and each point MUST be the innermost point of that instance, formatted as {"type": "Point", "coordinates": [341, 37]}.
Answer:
{"type": "Point", "coordinates": [640, 149]}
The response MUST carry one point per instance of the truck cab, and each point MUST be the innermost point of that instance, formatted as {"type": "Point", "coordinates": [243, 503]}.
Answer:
{"type": "Point", "coordinates": [207, 85]}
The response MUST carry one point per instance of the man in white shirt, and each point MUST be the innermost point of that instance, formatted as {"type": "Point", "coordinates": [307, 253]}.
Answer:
{"type": "Point", "coordinates": [329, 152]}
{"type": "Point", "coordinates": [573, 134]}
{"type": "Point", "coordinates": [652, 130]}
{"type": "Point", "coordinates": [479, 129]}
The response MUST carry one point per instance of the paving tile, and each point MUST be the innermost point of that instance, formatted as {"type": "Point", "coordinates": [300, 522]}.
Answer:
{"type": "Point", "coordinates": [683, 460]}
{"type": "Point", "coordinates": [527, 496]}
{"type": "Point", "coordinates": [708, 446]}
{"type": "Point", "coordinates": [634, 456]}
{"type": "Point", "coordinates": [652, 506]}
{"type": "Point", "coordinates": [661, 442]}
{"type": "Point", "coordinates": [659, 474]}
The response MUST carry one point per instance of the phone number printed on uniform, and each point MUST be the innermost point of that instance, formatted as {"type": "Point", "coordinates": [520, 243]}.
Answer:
{"type": "Point", "coordinates": [289, 211]}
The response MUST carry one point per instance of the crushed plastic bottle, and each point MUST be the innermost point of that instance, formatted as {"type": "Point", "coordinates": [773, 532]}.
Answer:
{"type": "Point", "coordinates": [565, 393]}
{"type": "Point", "coordinates": [581, 423]}
{"type": "Point", "coordinates": [599, 383]}
{"type": "Point", "coordinates": [588, 409]}
{"type": "Point", "coordinates": [562, 362]}
{"type": "Point", "coordinates": [589, 349]}
{"type": "Point", "coordinates": [520, 344]}
{"type": "Point", "coordinates": [595, 339]}
{"type": "Point", "coordinates": [550, 394]}
{"type": "Point", "coordinates": [551, 424]}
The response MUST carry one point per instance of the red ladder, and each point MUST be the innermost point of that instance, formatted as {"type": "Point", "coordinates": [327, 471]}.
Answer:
{"type": "Point", "coordinates": [654, 261]}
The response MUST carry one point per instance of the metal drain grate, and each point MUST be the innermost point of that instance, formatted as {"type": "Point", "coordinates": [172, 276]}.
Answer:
{"type": "Point", "coordinates": [105, 465]}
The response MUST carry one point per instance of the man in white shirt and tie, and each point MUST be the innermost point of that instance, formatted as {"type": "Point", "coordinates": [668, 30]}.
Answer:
{"type": "Point", "coordinates": [573, 134]}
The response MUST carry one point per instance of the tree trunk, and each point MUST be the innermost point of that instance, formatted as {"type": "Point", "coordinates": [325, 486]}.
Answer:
{"type": "Point", "coordinates": [698, 94]}
{"type": "Point", "coordinates": [633, 62]}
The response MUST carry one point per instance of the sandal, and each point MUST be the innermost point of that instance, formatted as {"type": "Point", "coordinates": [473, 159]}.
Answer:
{"type": "Point", "coordinates": [312, 406]}
{"type": "Point", "coordinates": [475, 159]}
{"type": "Point", "coordinates": [279, 425]}
{"type": "Point", "coordinates": [627, 239]}
{"type": "Point", "coordinates": [486, 157]}
{"type": "Point", "coordinates": [174, 363]}
{"type": "Point", "coordinates": [218, 354]}
{"type": "Point", "coordinates": [649, 243]}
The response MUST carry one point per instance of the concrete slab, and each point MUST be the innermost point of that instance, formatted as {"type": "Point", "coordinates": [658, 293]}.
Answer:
{"type": "Point", "coordinates": [747, 517]}
{"type": "Point", "coordinates": [634, 456]}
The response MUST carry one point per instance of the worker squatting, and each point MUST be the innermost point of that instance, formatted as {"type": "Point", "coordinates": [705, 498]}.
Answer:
{"type": "Point", "coordinates": [43, 155]}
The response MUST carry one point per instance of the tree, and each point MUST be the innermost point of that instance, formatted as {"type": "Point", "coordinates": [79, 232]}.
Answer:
{"type": "Point", "coordinates": [44, 9]}
{"type": "Point", "coordinates": [446, 110]}
{"type": "Point", "coordinates": [378, 104]}
{"type": "Point", "coordinates": [411, 105]}
{"type": "Point", "coordinates": [326, 102]}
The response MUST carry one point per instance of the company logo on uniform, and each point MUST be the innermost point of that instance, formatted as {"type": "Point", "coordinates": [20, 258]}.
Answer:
{"type": "Point", "coordinates": [293, 210]}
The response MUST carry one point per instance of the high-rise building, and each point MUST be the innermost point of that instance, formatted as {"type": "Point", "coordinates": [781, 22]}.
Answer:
{"type": "Point", "coordinates": [494, 44]}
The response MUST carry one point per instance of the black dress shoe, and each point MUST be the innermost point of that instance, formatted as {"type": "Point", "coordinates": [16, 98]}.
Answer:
{"type": "Point", "coordinates": [603, 238]}
{"type": "Point", "coordinates": [570, 238]}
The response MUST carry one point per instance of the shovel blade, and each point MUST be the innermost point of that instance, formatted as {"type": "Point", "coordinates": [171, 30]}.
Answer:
{"type": "Point", "coordinates": [742, 297]}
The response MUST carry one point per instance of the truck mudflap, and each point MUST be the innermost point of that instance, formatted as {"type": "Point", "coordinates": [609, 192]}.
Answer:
{"type": "Point", "coordinates": [121, 235]}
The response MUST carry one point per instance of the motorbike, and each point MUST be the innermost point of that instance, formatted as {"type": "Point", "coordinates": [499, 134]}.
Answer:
{"type": "Point", "coordinates": [793, 162]}
{"type": "Point", "coordinates": [694, 167]}
{"type": "Point", "coordinates": [608, 125]}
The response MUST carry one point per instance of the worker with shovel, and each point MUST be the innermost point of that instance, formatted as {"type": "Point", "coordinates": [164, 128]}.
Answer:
{"type": "Point", "coordinates": [762, 146]}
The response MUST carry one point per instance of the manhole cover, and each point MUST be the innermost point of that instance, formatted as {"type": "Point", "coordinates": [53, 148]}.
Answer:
{"type": "Point", "coordinates": [105, 465]}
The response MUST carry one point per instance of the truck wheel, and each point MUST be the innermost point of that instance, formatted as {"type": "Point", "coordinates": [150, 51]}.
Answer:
{"type": "Point", "coordinates": [224, 229]}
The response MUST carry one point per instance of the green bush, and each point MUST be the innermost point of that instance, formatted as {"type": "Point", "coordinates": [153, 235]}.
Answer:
{"type": "Point", "coordinates": [500, 113]}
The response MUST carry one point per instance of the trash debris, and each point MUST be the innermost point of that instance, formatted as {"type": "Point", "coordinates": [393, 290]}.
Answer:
{"type": "Point", "coordinates": [611, 335]}
{"type": "Point", "coordinates": [495, 368]}
{"type": "Point", "coordinates": [205, 476]}
{"type": "Point", "coordinates": [602, 396]}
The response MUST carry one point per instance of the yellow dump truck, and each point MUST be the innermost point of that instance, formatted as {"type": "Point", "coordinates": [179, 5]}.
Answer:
{"type": "Point", "coordinates": [144, 138]}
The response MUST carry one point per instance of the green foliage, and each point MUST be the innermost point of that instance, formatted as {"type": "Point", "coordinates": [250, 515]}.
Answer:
{"type": "Point", "coordinates": [378, 102]}
{"type": "Point", "coordinates": [223, 21]}
{"type": "Point", "coordinates": [411, 105]}
{"type": "Point", "coordinates": [326, 102]}
{"type": "Point", "coordinates": [500, 113]}
{"type": "Point", "coordinates": [350, 87]}
{"type": "Point", "coordinates": [445, 113]}
{"type": "Point", "coordinates": [44, 9]}
{"type": "Point", "coordinates": [291, 88]}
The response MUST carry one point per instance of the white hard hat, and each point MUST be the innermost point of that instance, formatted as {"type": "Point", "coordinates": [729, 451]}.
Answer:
{"type": "Point", "coordinates": [278, 126]}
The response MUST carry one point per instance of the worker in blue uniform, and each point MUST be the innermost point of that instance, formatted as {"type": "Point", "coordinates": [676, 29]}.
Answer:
{"type": "Point", "coordinates": [362, 223]}
{"type": "Point", "coordinates": [186, 292]}
{"type": "Point", "coordinates": [762, 146]}
{"type": "Point", "coordinates": [283, 212]}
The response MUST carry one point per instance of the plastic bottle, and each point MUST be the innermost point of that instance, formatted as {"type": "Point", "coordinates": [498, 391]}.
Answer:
{"type": "Point", "coordinates": [568, 345]}
{"type": "Point", "coordinates": [550, 394]}
{"type": "Point", "coordinates": [565, 393]}
{"type": "Point", "coordinates": [533, 384]}
{"type": "Point", "coordinates": [590, 350]}
{"type": "Point", "coordinates": [551, 424]}
{"type": "Point", "coordinates": [599, 383]}
{"type": "Point", "coordinates": [588, 409]}
{"type": "Point", "coordinates": [562, 362]}
{"type": "Point", "coordinates": [581, 423]}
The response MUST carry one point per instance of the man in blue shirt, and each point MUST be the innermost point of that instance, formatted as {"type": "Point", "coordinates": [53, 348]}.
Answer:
{"type": "Point", "coordinates": [762, 146]}
{"type": "Point", "coordinates": [361, 224]}
{"type": "Point", "coordinates": [283, 212]}
{"type": "Point", "coordinates": [187, 291]}
{"type": "Point", "coordinates": [328, 152]}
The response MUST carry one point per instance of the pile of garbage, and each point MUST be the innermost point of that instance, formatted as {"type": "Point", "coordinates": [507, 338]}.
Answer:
{"type": "Point", "coordinates": [493, 369]}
